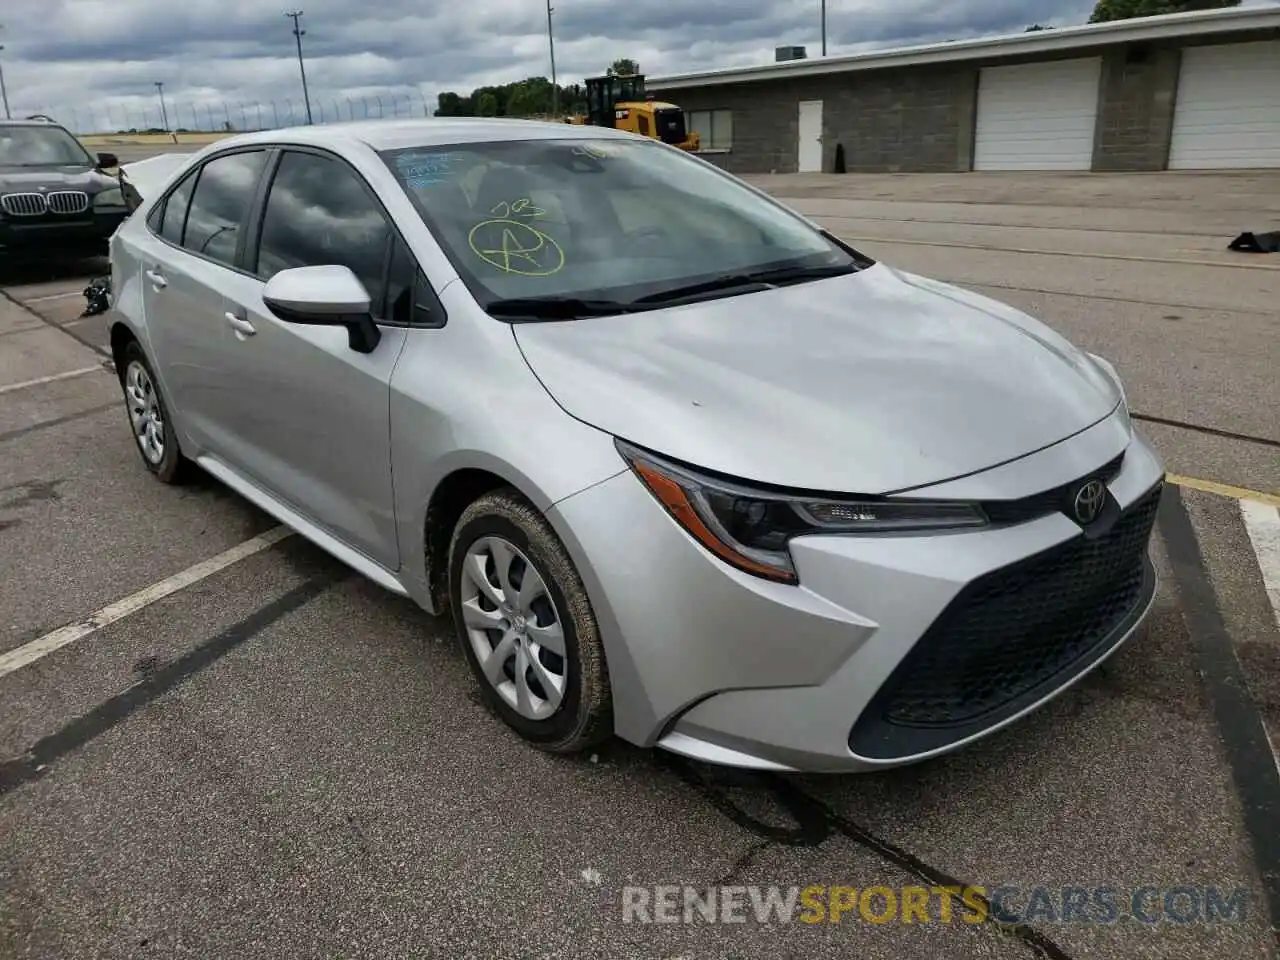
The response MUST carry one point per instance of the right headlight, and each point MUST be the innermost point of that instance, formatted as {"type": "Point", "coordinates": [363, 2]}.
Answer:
{"type": "Point", "coordinates": [750, 528]}
{"type": "Point", "coordinates": [110, 200]}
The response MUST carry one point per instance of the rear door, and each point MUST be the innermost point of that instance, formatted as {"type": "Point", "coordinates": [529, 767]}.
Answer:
{"type": "Point", "coordinates": [314, 415]}
{"type": "Point", "coordinates": [189, 251]}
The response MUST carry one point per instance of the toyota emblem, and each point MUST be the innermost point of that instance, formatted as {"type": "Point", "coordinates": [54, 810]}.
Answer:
{"type": "Point", "coordinates": [1088, 502]}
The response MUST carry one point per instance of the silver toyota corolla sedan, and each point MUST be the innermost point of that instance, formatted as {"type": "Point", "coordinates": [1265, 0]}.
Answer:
{"type": "Point", "coordinates": [680, 464]}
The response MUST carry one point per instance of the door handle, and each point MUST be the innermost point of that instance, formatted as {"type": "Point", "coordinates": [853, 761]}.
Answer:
{"type": "Point", "coordinates": [240, 325]}
{"type": "Point", "coordinates": [157, 279]}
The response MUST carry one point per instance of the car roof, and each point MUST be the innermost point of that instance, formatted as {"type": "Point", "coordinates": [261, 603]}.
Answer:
{"type": "Point", "coordinates": [424, 132]}
{"type": "Point", "coordinates": [29, 123]}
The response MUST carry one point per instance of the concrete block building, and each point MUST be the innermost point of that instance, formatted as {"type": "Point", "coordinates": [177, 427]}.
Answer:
{"type": "Point", "coordinates": [1189, 91]}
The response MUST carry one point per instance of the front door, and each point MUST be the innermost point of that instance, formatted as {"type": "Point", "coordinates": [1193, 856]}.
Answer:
{"type": "Point", "coordinates": [313, 419]}
{"type": "Point", "coordinates": [810, 128]}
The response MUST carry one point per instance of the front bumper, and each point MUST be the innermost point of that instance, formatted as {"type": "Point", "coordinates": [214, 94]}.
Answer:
{"type": "Point", "coordinates": [891, 650]}
{"type": "Point", "coordinates": [51, 234]}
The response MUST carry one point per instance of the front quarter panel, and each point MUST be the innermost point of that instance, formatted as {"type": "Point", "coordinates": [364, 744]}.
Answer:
{"type": "Point", "coordinates": [463, 398]}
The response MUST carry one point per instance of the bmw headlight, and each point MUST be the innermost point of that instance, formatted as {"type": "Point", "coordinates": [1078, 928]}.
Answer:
{"type": "Point", "coordinates": [110, 200]}
{"type": "Point", "coordinates": [750, 528]}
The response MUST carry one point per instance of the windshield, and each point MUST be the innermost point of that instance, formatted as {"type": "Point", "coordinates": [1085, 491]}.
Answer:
{"type": "Point", "coordinates": [38, 146]}
{"type": "Point", "coordinates": [602, 220]}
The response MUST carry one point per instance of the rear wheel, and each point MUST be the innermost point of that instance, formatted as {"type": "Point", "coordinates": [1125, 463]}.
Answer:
{"type": "Point", "coordinates": [149, 418]}
{"type": "Point", "coordinates": [526, 626]}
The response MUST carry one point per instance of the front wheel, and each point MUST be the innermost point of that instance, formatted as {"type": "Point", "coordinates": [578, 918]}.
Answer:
{"type": "Point", "coordinates": [526, 626]}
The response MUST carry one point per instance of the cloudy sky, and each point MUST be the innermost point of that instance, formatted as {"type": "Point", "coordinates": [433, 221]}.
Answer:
{"type": "Point", "coordinates": [95, 62]}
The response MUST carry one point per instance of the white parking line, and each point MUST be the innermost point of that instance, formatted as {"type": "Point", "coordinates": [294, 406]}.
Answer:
{"type": "Point", "coordinates": [42, 646]}
{"type": "Point", "coordinates": [55, 296]}
{"type": "Point", "coordinates": [1263, 523]}
{"type": "Point", "coordinates": [9, 388]}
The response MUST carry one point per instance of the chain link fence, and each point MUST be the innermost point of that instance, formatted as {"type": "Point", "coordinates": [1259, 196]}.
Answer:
{"type": "Point", "coordinates": [224, 116]}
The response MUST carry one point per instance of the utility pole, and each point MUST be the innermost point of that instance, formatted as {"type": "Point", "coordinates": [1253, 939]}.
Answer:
{"type": "Point", "coordinates": [4, 94]}
{"type": "Point", "coordinates": [164, 113]}
{"type": "Point", "coordinates": [824, 27]}
{"type": "Point", "coordinates": [297, 33]}
{"type": "Point", "coordinates": [555, 86]}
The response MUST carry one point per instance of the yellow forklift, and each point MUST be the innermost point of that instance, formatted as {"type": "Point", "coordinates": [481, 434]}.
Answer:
{"type": "Point", "coordinates": [621, 102]}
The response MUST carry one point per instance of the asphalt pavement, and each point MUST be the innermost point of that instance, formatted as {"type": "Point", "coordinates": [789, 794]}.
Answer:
{"type": "Point", "coordinates": [271, 757]}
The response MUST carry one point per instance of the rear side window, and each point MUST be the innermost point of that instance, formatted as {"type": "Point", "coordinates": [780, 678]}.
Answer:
{"type": "Point", "coordinates": [224, 192]}
{"type": "Point", "coordinates": [175, 210]}
{"type": "Point", "coordinates": [319, 213]}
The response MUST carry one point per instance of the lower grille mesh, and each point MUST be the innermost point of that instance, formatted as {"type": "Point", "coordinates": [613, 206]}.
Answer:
{"type": "Point", "coordinates": [1012, 631]}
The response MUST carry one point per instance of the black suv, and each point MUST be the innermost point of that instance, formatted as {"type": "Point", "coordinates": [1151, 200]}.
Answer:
{"type": "Point", "coordinates": [55, 199]}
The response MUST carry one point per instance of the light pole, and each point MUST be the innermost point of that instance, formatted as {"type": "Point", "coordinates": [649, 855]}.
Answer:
{"type": "Point", "coordinates": [4, 94]}
{"type": "Point", "coordinates": [294, 15]}
{"type": "Point", "coordinates": [824, 27]}
{"type": "Point", "coordinates": [164, 113]}
{"type": "Point", "coordinates": [555, 87]}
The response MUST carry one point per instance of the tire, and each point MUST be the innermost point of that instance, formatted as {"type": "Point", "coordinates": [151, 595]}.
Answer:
{"type": "Point", "coordinates": [139, 386]}
{"type": "Point", "coordinates": [582, 713]}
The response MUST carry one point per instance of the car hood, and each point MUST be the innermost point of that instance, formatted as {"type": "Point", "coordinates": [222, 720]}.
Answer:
{"type": "Point", "coordinates": [18, 179]}
{"type": "Point", "coordinates": [872, 383]}
{"type": "Point", "coordinates": [149, 176]}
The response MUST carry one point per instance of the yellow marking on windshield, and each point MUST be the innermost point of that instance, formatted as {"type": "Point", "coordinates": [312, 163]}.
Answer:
{"type": "Point", "coordinates": [506, 209]}
{"type": "Point", "coordinates": [514, 246]}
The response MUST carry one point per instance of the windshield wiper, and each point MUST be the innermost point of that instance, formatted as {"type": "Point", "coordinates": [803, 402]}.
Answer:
{"type": "Point", "coordinates": [762, 279]}
{"type": "Point", "coordinates": [557, 308]}
{"type": "Point", "coordinates": [785, 275]}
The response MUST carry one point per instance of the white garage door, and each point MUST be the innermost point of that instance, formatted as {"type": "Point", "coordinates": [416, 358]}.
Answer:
{"type": "Point", "coordinates": [1037, 116]}
{"type": "Point", "coordinates": [1227, 113]}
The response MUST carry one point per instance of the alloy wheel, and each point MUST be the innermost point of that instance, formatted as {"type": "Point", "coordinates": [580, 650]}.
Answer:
{"type": "Point", "coordinates": [514, 627]}
{"type": "Point", "coordinates": [144, 412]}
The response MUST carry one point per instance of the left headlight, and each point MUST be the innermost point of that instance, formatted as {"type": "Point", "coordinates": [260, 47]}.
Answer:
{"type": "Point", "coordinates": [750, 528]}
{"type": "Point", "coordinates": [110, 200]}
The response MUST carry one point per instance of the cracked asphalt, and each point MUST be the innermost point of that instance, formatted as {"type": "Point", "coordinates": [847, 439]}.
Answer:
{"type": "Point", "coordinates": [282, 760]}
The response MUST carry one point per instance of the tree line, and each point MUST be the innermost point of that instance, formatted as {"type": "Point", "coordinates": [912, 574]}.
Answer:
{"type": "Point", "coordinates": [532, 97]}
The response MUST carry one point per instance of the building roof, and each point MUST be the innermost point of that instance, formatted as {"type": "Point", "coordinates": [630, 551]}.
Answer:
{"type": "Point", "coordinates": [1173, 26]}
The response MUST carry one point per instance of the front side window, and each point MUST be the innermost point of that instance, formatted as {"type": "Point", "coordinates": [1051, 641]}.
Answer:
{"type": "Point", "coordinates": [40, 146]}
{"type": "Point", "coordinates": [220, 204]}
{"type": "Point", "coordinates": [671, 126]}
{"type": "Point", "coordinates": [599, 219]}
{"type": "Point", "coordinates": [318, 213]}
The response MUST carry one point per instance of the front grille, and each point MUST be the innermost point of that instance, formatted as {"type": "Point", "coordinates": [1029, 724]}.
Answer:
{"type": "Point", "coordinates": [23, 204]}
{"type": "Point", "coordinates": [63, 202]}
{"type": "Point", "coordinates": [1050, 501]}
{"type": "Point", "coordinates": [1012, 636]}
{"type": "Point", "coordinates": [68, 202]}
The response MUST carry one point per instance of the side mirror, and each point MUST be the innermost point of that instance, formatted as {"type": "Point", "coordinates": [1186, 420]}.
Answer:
{"type": "Point", "coordinates": [108, 161]}
{"type": "Point", "coordinates": [326, 296]}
